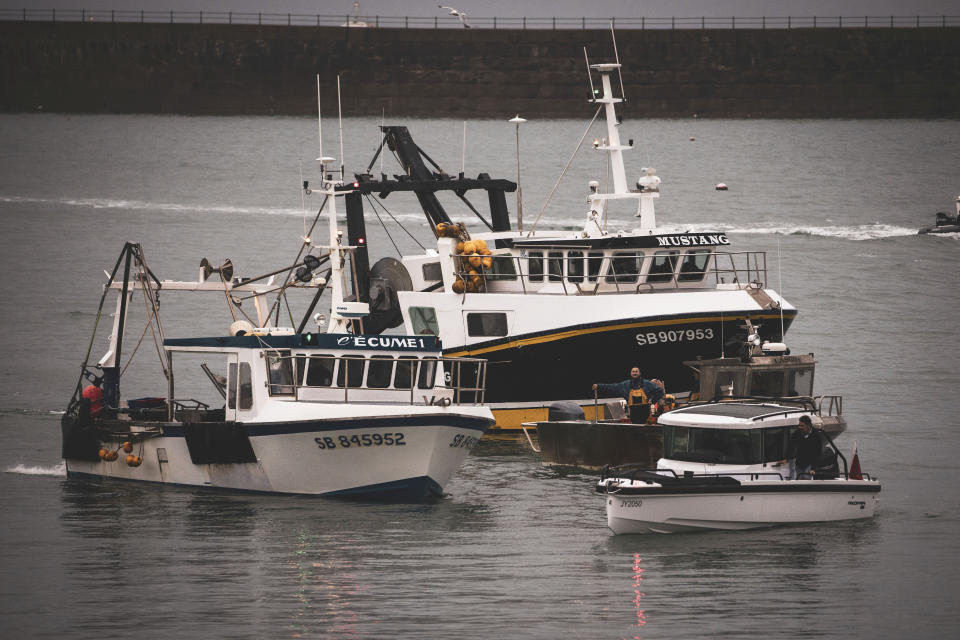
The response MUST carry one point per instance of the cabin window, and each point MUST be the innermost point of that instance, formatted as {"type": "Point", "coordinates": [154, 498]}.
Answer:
{"type": "Point", "coordinates": [800, 383]}
{"type": "Point", "coordinates": [775, 443]}
{"type": "Point", "coordinates": [301, 366]}
{"type": "Point", "coordinates": [575, 266]}
{"type": "Point", "coordinates": [694, 265]}
{"type": "Point", "coordinates": [725, 387]}
{"type": "Point", "coordinates": [246, 387]}
{"type": "Point", "coordinates": [555, 265]}
{"type": "Point", "coordinates": [486, 324]}
{"type": "Point", "coordinates": [594, 263]}
{"type": "Point", "coordinates": [663, 265]}
{"type": "Point", "coordinates": [428, 373]}
{"type": "Point", "coordinates": [279, 373]}
{"type": "Point", "coordinates": [766, 383]}
{"type": "Point", "coordinates": [380, 372]}
{"type": "Point", "coordinates": [432, 272]}
{"type": "Point", "coordinates": [718, 446]}
{"type": "Point", "coordinates": [502, 269]}
{"type": "Point", "coordinates": [535, 266]}
{"type": "Point", "coordinates": [320, 371]}
{"type": "Point", "coordinates": [232, 386]}
{"type": "Point", "coordinates": [424, 321]}
{"type": "Point", "coordinates": [351, 370]}
{"type": "Point", "coordinates": [625, 267]}
{"type": "Point", "coordinates": [406, 372]}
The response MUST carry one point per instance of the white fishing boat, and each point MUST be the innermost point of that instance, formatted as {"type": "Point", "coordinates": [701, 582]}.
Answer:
{"type": "Point", "coordinates": [579, 306]}
{"type": "Point", "coordinates": [726, 466]}
{"type": "Point", "coordinates": [337, 413]}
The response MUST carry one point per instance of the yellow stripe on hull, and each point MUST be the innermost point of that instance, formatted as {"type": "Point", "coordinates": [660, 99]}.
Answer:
{"type": "Point", "coordinates": [564, 335]}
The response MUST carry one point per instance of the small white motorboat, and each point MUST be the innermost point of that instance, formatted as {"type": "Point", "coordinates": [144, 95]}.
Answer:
{"type": "Point", "coordinates": [726, 466]}
{"type": "Point", "coordinates": [339, 413]}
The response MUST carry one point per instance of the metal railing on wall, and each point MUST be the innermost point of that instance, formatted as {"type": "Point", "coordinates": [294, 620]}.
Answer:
{"type": "Point", "coordinates": [449, 22]}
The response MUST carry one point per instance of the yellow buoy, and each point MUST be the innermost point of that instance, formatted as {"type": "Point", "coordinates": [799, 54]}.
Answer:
{"type": "Point", "coordinates": [110, 456]}
{"type": "Point", "coordinates": [475, 261]}
{"type": "Point", "coordinates": [134, 461]}
{"type": "Point", "coordinates": [102, 453]}
{"type": "Point", "coordinates": [458, 286]}
{"type": "Point", "coordinates": [128, 446]}
{"type": "Point", "coordinates": [487, 262]}
{"type": "Point", "coordinates": [469, 247]}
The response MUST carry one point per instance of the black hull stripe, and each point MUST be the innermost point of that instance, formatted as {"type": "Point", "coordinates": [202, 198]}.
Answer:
{"type": "Point", "coordinates": [409, 490]}
{"type": "Point", "coordinates": [785, 487]}
{"type": "Point", "coordinates": [372, 422]}
{"type": "Point", "coordinates": [552, 335]}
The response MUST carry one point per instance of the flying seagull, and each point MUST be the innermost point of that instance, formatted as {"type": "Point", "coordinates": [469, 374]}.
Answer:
{"type": "Point", "coordinates": [459, 14]}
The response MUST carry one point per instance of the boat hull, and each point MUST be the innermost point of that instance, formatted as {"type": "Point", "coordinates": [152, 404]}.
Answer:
{"type": "Point", "coordinates": [751, 505]}
{"type": "Point", "coordinates": [382, 457]}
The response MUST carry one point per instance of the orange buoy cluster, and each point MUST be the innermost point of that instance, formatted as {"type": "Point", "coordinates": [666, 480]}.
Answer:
{"type": "Point", "coordinates": [109, 455]}
{"type": "Point", "coordinates": [475, 258]}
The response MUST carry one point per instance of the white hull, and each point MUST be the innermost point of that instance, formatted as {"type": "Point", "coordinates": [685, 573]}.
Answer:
{"type": "Point", "coordinates": [758, 504]}
{"type": "Point", "coordinates": [396, 456]}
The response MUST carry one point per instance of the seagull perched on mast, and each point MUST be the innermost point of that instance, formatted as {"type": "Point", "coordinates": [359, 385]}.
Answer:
{"type": "Point", "coordinates": [459, 14]}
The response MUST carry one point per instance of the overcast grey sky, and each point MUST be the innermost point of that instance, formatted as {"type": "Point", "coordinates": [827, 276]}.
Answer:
{"type": "Point", "coordinates": [530, 8]}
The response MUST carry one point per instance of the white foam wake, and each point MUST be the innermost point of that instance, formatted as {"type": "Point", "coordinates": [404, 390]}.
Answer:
{"type": "Point", "coordinates": [59, 471]}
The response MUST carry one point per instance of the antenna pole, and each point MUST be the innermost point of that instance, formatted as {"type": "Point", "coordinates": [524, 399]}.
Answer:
{"type": "Point", "coordinates": [463, 149]}
{"type": "Point", "coordinates": [593, 92]}
{"type": "Point", "coordinates": [340, 120]}
{"type": "Point", "coordinates": [319, 119]}
{"type": "Point", "coordinates": [616, 57]}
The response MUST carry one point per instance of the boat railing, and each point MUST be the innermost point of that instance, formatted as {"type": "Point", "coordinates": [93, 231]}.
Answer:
{"type": "Point", "coordinates": [578, 276]}
{"type": "Point", "coordinates": [405, 379]}
{"type": "Point", "coordinates": [829, 405]}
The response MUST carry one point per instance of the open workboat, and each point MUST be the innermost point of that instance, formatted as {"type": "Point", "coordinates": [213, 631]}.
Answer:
{"type": "Point", "coordinates": [584, 303]}
{"type": "Point", "coordinates": [725, 466]}
{"type": "Point", "coordinates": [333, 414]}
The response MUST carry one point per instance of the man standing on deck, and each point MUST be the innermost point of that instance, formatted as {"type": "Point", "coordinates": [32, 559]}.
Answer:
{"type": "Point", "coordinates": [637, 391]}
{"type": "Point", "coordinates": [806, 446]}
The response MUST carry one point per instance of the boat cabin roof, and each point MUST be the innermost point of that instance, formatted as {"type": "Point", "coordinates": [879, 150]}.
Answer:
{"type": "Point", "coordinates": [733, 415]}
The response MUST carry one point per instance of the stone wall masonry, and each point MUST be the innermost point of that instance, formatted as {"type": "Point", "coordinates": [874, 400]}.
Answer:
{"type": "Point", "coordinates": [250, 69]}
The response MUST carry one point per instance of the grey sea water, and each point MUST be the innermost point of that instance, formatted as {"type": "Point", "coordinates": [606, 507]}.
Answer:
{"type": "Point", "coordinates": [515, 549]}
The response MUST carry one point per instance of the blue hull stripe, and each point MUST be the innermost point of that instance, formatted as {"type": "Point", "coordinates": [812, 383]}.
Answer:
{"type": "Point", "coordinates": [372, 422]}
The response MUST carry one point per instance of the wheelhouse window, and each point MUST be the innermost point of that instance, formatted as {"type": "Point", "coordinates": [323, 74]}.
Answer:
{"type": "Point", "coordinates": [766, 383]}
{"type": "Point", "coordinates": [246, 387]}
{"type": "Point", "coordinates": [432, 272]}
{"type": "Point", "coordinates": [625, 267]}
{"type": "Point", "coordinates": [380, 372]}
{"type": "Point", "coordinates": [719, 446]}
{"type": "Point", "coordinates": [694, 265]}
{"type": "Point", "coordinates": [575, 266]}
{"type": "Point", "coordinates": [535, 266]}
{"type": "Point", "coordinates": [486, 324]}
{"type": "Point", "coordinates": [800, 383]}
{"type": "Point", "coordinates": [424, 321]}
{"type": "Point", "coordinates": [320, 371]}
{"type": "Point", "coordinates": [594, 264]}
{"type": "Point", "coordinates": [662, 267]}
{"type": "Point", "coordinates": [775, 443]}
{"type": "Point", "coordinates": [406, 372]}
{"type": "Point", "coordinates": [555, 265]}
{"type": "Point", "coordinates": [428, 373]}
{"type": "Point", "coordinates": [502, 269]}
{"type": "Point", "coordinates": [351, 370]}
{"type": "Point", "coordinates": [279, 373]}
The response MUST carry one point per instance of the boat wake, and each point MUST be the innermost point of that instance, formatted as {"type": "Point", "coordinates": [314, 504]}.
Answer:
{"type": "Point", "coordinates": [140, 205]}
{"type": "Point", "coordinates": [59, 471]}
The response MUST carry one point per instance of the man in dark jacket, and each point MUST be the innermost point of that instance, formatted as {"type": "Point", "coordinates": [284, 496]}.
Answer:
{"type": "Point", "coordinates": [806, 447]}
{"type": "Point", "coordinates": [652, 389]}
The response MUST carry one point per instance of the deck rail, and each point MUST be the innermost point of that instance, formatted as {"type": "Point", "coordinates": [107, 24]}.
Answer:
{"type": "Point", "coordinates": [444, 21]}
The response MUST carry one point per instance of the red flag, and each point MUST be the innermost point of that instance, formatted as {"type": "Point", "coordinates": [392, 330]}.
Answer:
{"type": "Point", "coordinates": [855, 472]}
